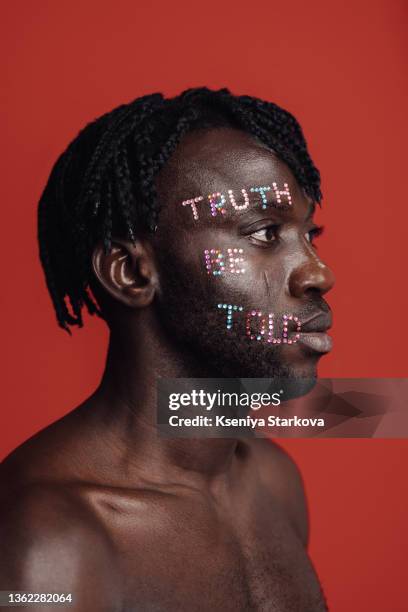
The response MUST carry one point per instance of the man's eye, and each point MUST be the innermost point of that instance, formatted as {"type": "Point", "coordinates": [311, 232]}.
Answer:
{"type": "Point", "coordinates": [314, 233]}
{"type": "Point", "coordinates": [266, 234]}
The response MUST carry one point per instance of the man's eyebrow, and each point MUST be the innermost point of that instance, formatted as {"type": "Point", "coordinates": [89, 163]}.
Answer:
{"type": "Point", "coordinates": [271, 206]}
{"type": "Point", "coordinates": [280, 208]}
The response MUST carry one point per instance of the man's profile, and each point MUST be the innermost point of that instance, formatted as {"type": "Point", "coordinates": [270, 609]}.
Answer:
{"type": "Point", "coordinates": [187, 225]}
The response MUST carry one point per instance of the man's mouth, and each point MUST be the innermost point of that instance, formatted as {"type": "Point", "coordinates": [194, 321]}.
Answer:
{"type": "Point", "coordinates": [317, 341]}
{"type": "Point", "coordinates": [313, 332]}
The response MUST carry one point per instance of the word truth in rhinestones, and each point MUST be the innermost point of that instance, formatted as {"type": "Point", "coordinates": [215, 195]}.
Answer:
{"type": "Point", "coordinates": [260, 326]}
{"type": "Point", "coordinates": [217, 201]}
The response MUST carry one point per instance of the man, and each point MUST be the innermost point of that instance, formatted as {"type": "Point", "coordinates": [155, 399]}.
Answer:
{"type": "Point", "coordinates": [139, 212]}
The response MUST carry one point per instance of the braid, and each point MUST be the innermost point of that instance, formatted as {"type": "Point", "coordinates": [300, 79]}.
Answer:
{"type": "Point", "coordinates": [107, 222]}
{"type": "Point", "coordinates": [103, 184]}
{"type": "Point", "coordinates": [124, 190]}
{"type": "Point", "coordinates": [49, 246]}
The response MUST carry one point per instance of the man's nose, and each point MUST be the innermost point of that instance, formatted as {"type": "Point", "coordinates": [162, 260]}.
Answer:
{"type": "Point", "coordinates": [311, 276]}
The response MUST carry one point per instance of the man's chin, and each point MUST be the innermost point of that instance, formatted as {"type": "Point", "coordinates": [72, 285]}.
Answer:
{"type": "Point", "coordinates": [291, 380]}
{"type": "Point", "coordinates": [266, 369]}
{"type": "Point", "coordinates": [238, 360]}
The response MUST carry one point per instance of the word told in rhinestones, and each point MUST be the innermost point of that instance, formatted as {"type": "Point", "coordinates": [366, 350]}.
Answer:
{"type": "Point", "coordinates": [260, 326]}
{"type": "Point", "coordinates": [218, 201]}
{"type": "Point", "coordinates": [215, 261]}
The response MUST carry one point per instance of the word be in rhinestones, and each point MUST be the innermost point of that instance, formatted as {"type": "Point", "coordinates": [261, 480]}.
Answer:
{"type": "Point", "coordinates": [215, 261]}
{"type": "Point", "coordinates": [217, 201]}
{"type": "Point", "coordinates": [260, 326]}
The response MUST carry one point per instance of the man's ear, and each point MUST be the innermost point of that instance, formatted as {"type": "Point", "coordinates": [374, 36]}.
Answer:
{"type": "Point", "coordinates": [127, 272]}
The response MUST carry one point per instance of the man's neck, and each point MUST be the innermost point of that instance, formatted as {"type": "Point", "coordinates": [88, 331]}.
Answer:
{"type": "Point", "coordinates": [125, 402]}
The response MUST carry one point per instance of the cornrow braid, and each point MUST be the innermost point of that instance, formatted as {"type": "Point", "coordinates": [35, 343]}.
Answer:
{"type": "Point", "coordinates": [103, 184]}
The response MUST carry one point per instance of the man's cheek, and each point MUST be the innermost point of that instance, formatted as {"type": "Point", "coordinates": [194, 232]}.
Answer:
{"type": "Point", "coordinates": [261, 325]}
{"type": "Point", "coordinates": [233, 274]}
{"type": "Point", "coordinates": [198, 279]}
{"type": "Point", "coordinates": [237, 288]}
{"type": "Point", "coordinates": [218, 262]}
{"type": "Point", "coordinates": [249, 302]}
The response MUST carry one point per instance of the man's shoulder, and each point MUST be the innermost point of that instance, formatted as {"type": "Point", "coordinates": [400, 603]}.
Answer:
{"type": "Point", "coordinates": [51, 543]}
{"type": "Point", "coordinates": [280, 474]}
{"type": "Point", "coordinates": [51, 454]}
{"type": "Point", "coordinates": [44, 505]}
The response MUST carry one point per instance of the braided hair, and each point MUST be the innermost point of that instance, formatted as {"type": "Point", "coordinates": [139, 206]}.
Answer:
{"type": "Point", "coordinates": [103, 183]}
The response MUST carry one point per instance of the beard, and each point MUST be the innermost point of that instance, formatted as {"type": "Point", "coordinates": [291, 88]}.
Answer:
{"type": "Point", "coordinates": [189, 316]}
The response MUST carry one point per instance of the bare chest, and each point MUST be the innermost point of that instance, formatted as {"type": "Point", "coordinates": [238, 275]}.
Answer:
{"type": "Point", "coordinates": [185, 557]}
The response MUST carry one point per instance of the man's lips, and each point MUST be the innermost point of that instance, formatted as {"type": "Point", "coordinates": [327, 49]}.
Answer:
{"type": "Point", "coordinates": [317, 341]}
{"type": "Point", "coordinates": [318, 322]}
{"type": "Point", "coordinates": [313, 332]}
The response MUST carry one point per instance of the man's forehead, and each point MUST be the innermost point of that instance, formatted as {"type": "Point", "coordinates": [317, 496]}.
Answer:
{"type": "Point", "coordinates": [217, 160]}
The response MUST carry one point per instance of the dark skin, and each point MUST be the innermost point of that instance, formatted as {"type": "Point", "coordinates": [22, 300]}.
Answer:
{"type": "Point", "coordinates": [97, 504]}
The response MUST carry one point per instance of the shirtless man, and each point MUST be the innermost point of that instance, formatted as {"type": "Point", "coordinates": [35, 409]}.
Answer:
{"type": "Point", "coordinates": [98, 504]}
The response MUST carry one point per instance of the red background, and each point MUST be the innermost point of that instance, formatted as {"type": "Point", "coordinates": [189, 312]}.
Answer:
{"type": "Point", "coordinates": [340, 70]}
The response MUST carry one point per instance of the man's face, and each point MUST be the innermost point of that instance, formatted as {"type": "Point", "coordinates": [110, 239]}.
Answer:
{"type": "Point", "coordinates": [283, 276]}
